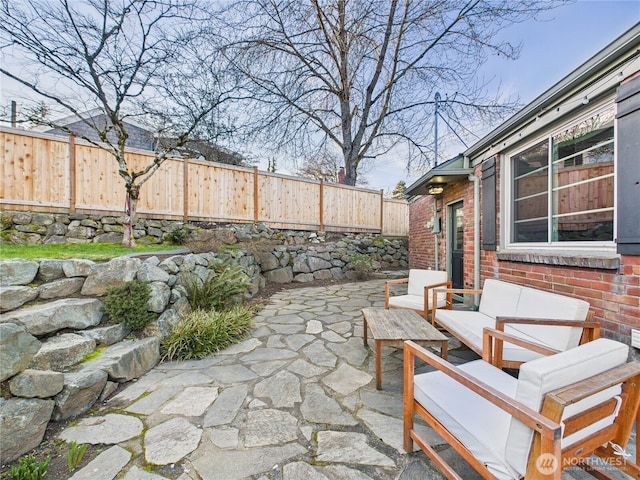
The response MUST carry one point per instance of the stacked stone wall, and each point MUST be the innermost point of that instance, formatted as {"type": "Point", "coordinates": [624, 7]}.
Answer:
{"type": "Point", "coordinates": [51, 318]}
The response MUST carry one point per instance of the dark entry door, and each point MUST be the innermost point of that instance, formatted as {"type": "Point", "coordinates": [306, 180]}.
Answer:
{"type": "Point", "coordinates": [456, 246]}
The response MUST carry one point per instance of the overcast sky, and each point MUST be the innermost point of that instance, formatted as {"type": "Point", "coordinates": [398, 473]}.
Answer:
{"type": "Point", "coordinates": [551, 49]}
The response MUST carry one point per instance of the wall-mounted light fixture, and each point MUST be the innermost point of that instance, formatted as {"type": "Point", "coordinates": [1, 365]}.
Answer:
{"type": "Point", "coordinates": [435, 188]}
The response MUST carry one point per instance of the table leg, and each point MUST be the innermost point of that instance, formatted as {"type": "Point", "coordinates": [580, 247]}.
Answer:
{"type": "Point", "coordinates": [378, 365]}
{"type": "Point", "coordinates": [364, 336]}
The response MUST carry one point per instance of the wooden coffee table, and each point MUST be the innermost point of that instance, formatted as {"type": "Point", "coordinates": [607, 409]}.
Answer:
{"type": "Point", "coordinates": [394, 326]}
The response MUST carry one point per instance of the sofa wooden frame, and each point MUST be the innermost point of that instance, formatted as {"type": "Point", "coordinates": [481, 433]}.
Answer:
{"type": "Point", "coordinates": [546, 424]}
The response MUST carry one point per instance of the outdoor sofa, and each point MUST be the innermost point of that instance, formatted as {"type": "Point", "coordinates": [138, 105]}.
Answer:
{"type": "Point", "coordinates": [529, 322]}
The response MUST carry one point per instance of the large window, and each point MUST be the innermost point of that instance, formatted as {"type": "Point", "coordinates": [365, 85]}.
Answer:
{"type": "Point", "coordinates": [563, 186]}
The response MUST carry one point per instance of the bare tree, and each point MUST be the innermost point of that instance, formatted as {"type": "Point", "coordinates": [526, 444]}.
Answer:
{"type": "Point", "coordinates": [323, 166]}
{"type": "Point", "coordinates": [127, 59]}
{"type": "Point", "coordinates": [362, 74]}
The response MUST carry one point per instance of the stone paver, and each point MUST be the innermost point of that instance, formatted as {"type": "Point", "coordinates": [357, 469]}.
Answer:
{"type": "Point", "coordinates": [294, 400]}
{"type": "Point", "coordinates": [105, 466]}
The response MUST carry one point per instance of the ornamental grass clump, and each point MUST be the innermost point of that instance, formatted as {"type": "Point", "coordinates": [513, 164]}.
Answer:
{"type": "Point", "coordinates": [203, 332]}
{"type": "Point", "coordinates": [223, 287]}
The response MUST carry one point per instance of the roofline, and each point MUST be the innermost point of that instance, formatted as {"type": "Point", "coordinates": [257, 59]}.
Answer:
{"type": "Point", "coordinates": [624, 44]}
{"type": "Point", "coordinates": [86, 115]}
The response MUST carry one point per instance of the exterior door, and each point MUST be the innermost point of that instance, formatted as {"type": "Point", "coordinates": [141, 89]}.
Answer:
{"type": "Point", "coordinates": [456, 244]}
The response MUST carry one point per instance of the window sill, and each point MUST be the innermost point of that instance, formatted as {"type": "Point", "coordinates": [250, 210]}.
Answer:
{"type": "Point", "coordinates": [606, 261]}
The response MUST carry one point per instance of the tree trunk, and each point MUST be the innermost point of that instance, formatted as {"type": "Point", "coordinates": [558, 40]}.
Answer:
{"type": "Point", "coordinates": [131, 205]}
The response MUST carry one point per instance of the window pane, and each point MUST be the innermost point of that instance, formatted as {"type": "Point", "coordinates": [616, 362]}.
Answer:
{"type": "Point", "coordinates": [583, 198]}
{"type": "Point", "coordinates": [530, 196]}
{"type": "Point", "coordinates": [458, 242]}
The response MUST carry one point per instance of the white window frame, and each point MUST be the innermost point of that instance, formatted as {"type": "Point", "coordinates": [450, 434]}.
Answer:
{"type": "Point", "coordinates": [507, 188]}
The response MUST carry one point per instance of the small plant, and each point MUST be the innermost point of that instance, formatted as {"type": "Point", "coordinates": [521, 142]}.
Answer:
{"type": "Point", "coordinates": [75, 454]}
{"type": "Point", "coordinates": [379, 241]}
{"type": "Point", "coordinates": [224, 285]}
{"type": "Point", "coordinates": [5, 221]}
{"type": "Point", "coordinates": [128, 304]}
{"type": "Point", "coordinates": [179, 236]}
{"type": "Point", "coordinates": [202, 333]}
{"type": "Point", "coordinates": [30, 468]}
{"type": "Point", "coordinates": [362, 264]}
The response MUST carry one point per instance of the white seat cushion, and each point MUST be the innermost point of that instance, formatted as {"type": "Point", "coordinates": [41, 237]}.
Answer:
{"type": "Point", "coordinates": [413, 302]}
{"type": "Point", "coordinates": [469, 325]}
{"type": "Point", "coordinates": [457, 408]}
{"type": "Point", "coordinates": [538, 377]}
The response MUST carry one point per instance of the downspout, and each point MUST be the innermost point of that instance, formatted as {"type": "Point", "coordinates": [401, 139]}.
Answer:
{"type": "Point", "coordinates": [435, 235]}
{"type": "Point", "coordinates": [476, 236]}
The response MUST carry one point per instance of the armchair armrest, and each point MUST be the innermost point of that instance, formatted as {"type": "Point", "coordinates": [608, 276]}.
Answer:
{"type": "Point", "coordinates": [387, 284]}
{"type": "Point", "coordinates": [493, 354]}
{"type": "Point", "coordinates": [548, 429]}
{"type": "Point", "coordinates": [426, 296]}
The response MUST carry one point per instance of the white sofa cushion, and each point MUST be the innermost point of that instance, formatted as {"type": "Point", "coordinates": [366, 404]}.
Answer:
{"type": "Point", "coordinates": [539, 304]}
{"type": "Point", "coordinates": [469, 325]}
{"type": "Point", "coordinates": [457, 407]}
{"type": "Point", "coordinates": [538, 377]}
{"type": "Point", "coordinates": [418, 279]}
{"type": "Point", "coordinates": [499, 299]}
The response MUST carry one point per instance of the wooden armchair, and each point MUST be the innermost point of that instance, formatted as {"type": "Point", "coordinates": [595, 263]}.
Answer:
{"type": "Point", "coordinates": [561, 410]}
{"type": "Point", "coordinates": [418, 296]}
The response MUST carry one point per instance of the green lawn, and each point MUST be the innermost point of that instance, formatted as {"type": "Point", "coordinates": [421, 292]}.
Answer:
{"type": "Point", "coordinates": [90, 251]}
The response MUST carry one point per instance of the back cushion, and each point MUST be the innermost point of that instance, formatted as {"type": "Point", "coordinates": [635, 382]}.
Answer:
{"type": "Point", "coordinates": [499, 298]}
{"type": "Point", "coordinates": [418, 279]}
{"type": "Point", "coordinates": [543, 375]}
{"type": "Point", "coordinates": [539, 304]}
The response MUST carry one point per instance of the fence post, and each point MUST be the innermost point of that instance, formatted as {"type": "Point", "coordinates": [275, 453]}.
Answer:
{"type": "Point", "coordinates": [381, 210]}
{"type": "Point", "coordinates": [185, 190]}
{"type": "Point", "coordinates": [72, 173]}
{"type": "Point", "coordinates": [256, 203]}
{"type": "Point", "coordinates": [321, 205]}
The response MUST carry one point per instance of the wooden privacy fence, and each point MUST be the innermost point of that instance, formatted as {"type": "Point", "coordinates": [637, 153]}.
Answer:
{"type": "Point", "coordinates": [59, 174]}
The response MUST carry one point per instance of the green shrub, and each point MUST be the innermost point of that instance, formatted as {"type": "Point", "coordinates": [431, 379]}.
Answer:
{"type": "Point", "coordinates": [224, 286]}
{"type": "Point", "coordinates": [202, 333]}
{"type": "Point", "coordinates": [362, 264]}
{"type": "Point", "coordinates": [128, 304]}
{"type": "Point", "coordinates": [179, 236]}
{"type": "Point", "coordinates": [29, 468]}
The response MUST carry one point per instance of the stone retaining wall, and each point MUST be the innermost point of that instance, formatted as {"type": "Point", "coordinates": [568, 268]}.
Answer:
{"type": "Point", "coordinates": [52, 319]}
